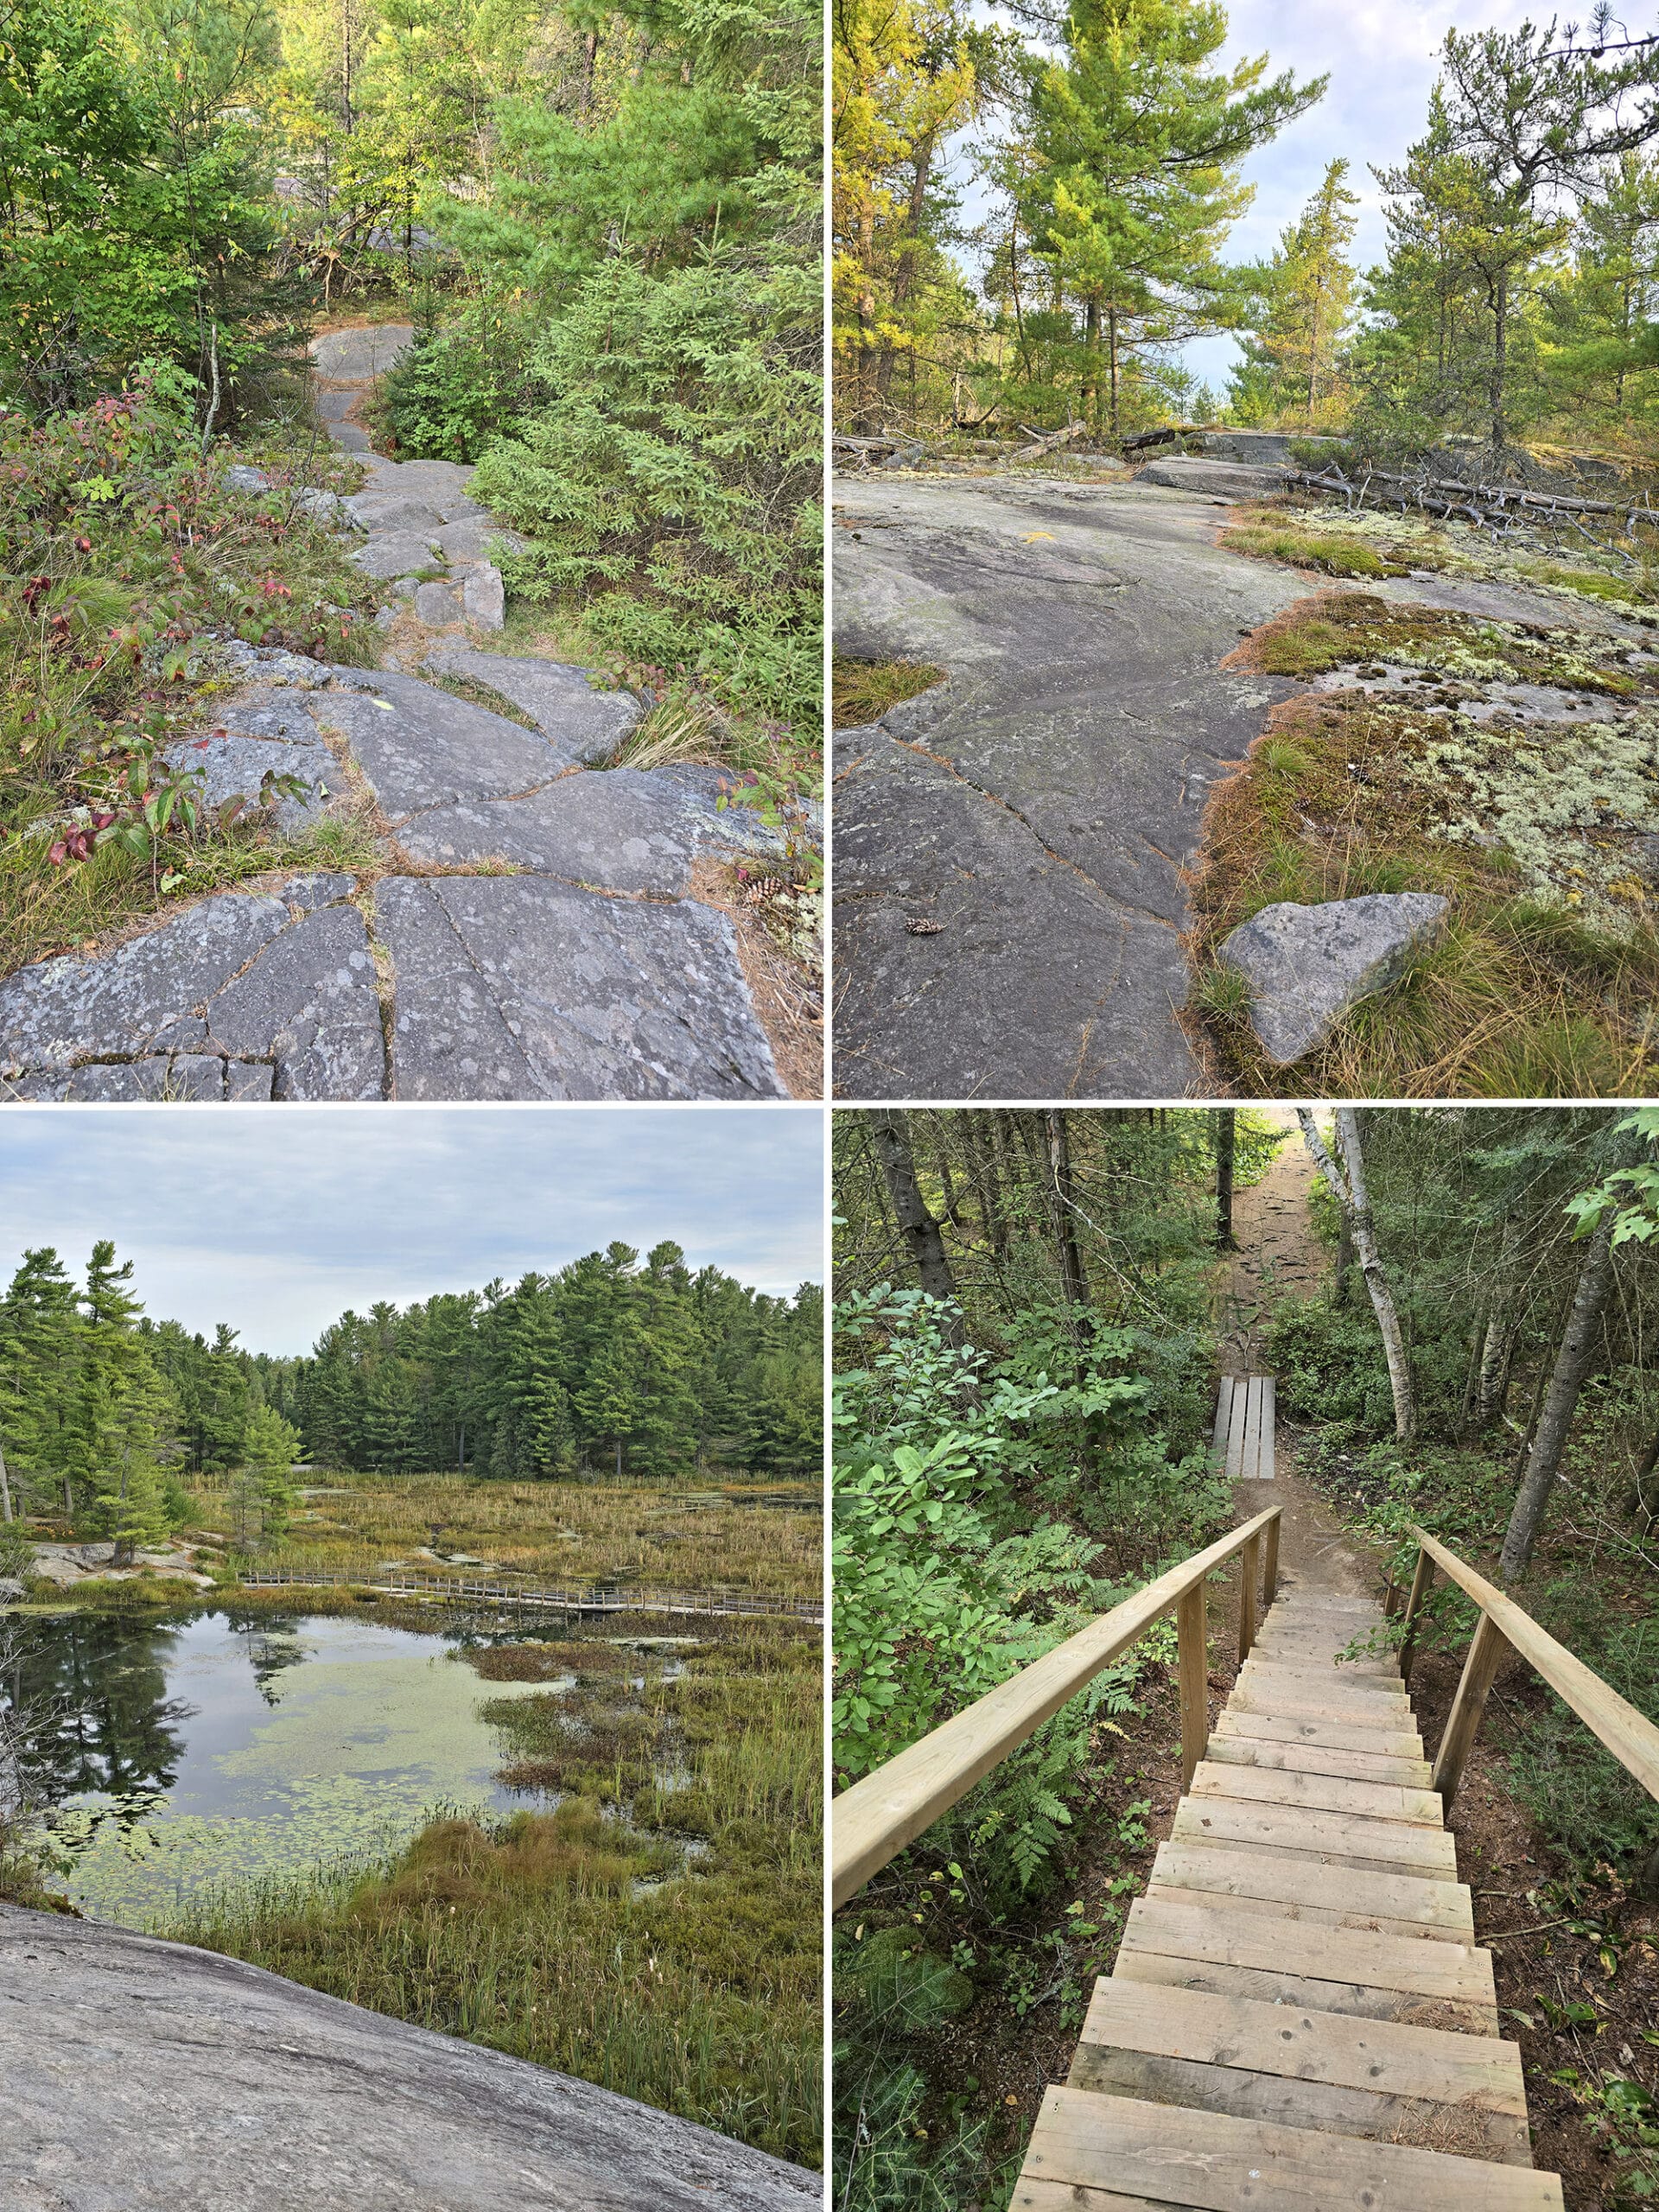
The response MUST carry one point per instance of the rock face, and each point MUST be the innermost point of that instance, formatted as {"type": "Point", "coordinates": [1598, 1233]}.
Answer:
{"type": "Point", "coordinates": [1039, 807]}
{"type": "Point", "coordinates": [1224, 479]}
{"type": "Point", "coordinates": [144, 2076]}
{"type": "Point", "coordinates": [1307, 965]}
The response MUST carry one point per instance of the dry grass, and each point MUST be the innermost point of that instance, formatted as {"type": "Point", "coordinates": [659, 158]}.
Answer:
{"type": "Point", "coordinates": [1519, 1000]}
{"type": "Point", "coordinates": [862, 690]}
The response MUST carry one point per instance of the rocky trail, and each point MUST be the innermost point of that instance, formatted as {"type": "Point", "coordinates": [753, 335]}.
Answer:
{"type": "Point", "coordinates": [1011, 845]}
{"type": "Point", "coordinates": [535, 929]}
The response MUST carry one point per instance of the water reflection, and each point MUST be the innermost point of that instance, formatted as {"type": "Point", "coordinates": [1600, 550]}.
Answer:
{"type": "Point", "coordinates": [181, 1754]}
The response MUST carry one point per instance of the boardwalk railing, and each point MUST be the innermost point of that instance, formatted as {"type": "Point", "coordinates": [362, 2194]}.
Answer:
{"type": "Point", "coordinates": [458, 1587]}
{"type": "Point", "coordinates": [873, 1820]}
{"type": "Point", "coordinates": [1632, 1739]}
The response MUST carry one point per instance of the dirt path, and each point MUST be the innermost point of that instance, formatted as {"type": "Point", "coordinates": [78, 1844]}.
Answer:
{"type": "Point", "coordinates": [1279, 1253]}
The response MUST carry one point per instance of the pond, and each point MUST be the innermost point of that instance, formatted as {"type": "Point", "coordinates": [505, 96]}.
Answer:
{"type": "Point", "coordinates": [181, 1754]}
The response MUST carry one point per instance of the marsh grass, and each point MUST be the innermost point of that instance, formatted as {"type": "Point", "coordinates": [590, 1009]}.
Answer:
{"type": "Point", "coordinates": [597, 1944]}
{"type": "Point", "coordinates": [862, 690]}
{"type": "Point", "coordinates": [558, 1532]}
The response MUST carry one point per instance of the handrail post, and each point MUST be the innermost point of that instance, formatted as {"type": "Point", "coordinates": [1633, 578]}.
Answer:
{"type": "Point", "coordinates": [1193, 1665]}
{"type": "Point", "coordinates": [1270, 1565]}
{"type": "Point", "coordinates": [1421, 1578]}
{"type": "Point", "coordinates": [1250, 1560]}
{"type": "Point", "coordinates": [1485, 1653]}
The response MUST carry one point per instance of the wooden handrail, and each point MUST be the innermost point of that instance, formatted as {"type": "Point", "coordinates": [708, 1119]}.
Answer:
{"type": "Point", "coordinates": [872, 1821]}
{"type": "Point", "coordinates": [1629, 1735]}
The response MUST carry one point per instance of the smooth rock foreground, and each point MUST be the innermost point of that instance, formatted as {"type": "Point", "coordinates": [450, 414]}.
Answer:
{"type": "Point", "coordinates": [144, 2076]}
{"type": "Point", "coordinates": [1307, 965]}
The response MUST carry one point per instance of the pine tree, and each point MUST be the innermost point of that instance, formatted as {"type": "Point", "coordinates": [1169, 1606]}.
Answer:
{"type": "Point", "coordinates": [261, 1491]}
{"type": "Point", "coordinates": [39, 1334]}
{"type": "Point", "coordinates": [1290, 372]}
{"type": "Point", "coordinates": [124, 1414]}
{"type": "Point", "coordinates": [1135, 143]}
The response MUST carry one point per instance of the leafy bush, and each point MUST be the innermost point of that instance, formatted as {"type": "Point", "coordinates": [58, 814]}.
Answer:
{"type": "Point", "coordinates": [947, 1580]}
{"type": "Point", "coordinates": [1591, 1807]}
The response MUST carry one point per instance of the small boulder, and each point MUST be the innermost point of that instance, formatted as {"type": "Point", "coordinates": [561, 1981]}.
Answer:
{"type": "Point", "coordinates": [324, 506]}
{"type": "Point", "coordinates": [240, 477]}
{"type": "Point", "coordinates": [484, 597]}
{"type": "Point", "coordinates": [1307, 965]}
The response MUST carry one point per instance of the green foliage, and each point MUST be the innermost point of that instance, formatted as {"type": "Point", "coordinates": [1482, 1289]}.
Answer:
{"type": "Point", "coordinates": [1590, 1807]}
{"type": "Point", "coordinates": [946, 1580]}
{"type": "Point", "coordinates": [135, 221]}
{"type": "Point", "coordinates": [895, 1979]}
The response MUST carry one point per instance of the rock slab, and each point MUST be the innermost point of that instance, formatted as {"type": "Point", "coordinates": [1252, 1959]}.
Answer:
{"type": "Point", "coordinates": [145, 2076]}
{"type": "Point", "coordinates": [1307, 965]}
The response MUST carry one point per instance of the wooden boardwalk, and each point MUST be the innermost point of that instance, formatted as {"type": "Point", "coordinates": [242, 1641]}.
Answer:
{"type": "Point", "coordinates": [1243, 1445]}
{"type": "Point", "coordinates": [1299, 2018]}
{"type": "Point", "coordinates": [460, 1589]}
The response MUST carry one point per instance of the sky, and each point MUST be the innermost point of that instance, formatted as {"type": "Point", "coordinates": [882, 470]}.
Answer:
{"type": "Point", "coordinates": [1380, 56]}
{"type": "Point", "coordinates": [277, 1220]}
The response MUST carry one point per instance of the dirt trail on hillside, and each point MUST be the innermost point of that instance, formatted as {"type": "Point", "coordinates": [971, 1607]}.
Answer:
{"type": "Point", "coordinates": [1279, 1253]}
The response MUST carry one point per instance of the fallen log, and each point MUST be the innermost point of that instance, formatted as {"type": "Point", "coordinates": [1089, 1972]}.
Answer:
{"type": "Point", "coordinates": [1047, 440]}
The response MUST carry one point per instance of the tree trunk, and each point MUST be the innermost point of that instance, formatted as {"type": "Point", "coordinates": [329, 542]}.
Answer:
{"type": "Point", "coordinates": [1059, 1168]}
{"type": "Point", "coordinates": [1500, 356]}
{"type": "Point", "coordinates": [1226, 1144]}
{"type": "Point", "coordinates": [5, 1487]}
{"type": "Point", "coordinates": [1111, 345]}
{"type": "Point", "coordinates": [1346, 1184]}
{"type": "Point", "coordinates": [1566, 1379]}
{"type": "Point", "coordinates": [921, 1231]}
{"type": "Point", "coordinates": [1345, 1259]}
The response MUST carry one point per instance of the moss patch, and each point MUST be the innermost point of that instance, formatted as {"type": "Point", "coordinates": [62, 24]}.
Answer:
{"type": "Point", "coordinates": [1355, 630]}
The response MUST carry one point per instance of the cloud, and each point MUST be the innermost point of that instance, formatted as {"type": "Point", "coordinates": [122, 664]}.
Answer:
{"type": "Point", "coordinates": [275, 1219]}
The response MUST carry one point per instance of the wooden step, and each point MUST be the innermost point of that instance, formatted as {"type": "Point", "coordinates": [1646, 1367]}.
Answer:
{"type": "Point", "coordinates": [1308, 1677]}
{"type": "Point", "coordinates": [1388, 1847]}
{"type": "Point", "coordinates": [1319, 1759]}
{"type": "Point", "coordinates": [1400, 1905]}
{"type": "Point", "coordinates": [1314, 1701]}
{"type": "Point", "coordinates": [1324, 1650]}
{"type": "Point", "coordinates": [1326, 1793]}
{"type": "Point", "coordinates": [1303, 2068]}
{"type": "Point", "coordinates": [1090, 2153]}
{"type": "Point", "coordinates": [1333, 1970]}
{"type": "Point", "coordinates": [1334, 1734]}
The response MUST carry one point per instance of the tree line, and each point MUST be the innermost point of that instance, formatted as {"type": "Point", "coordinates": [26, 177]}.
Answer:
{"type": "Point", "coordinates": [1517, 293]}
{"type": "Point", "coordinates": [608, 1367]}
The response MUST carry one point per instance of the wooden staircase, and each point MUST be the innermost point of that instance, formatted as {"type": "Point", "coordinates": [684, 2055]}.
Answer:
{"type": "Point", "coordinates": [1298, 2019]}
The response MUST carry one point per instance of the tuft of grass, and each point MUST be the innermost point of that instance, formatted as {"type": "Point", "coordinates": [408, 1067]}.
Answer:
{"type": "Point", "coordinates": [689, 730]}
{"type": "Point", "coordinates": [862, 690]}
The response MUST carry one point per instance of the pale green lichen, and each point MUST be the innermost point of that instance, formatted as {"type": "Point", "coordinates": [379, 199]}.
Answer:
{"type": "Point", "coordinates": [1565, 805]}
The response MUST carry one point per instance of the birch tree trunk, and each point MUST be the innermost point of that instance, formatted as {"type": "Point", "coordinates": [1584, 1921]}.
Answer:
{"type": "Point", "coordinates": [1346, 1183]}
{"type": "Point", "coordinates": [1572, 1359]}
